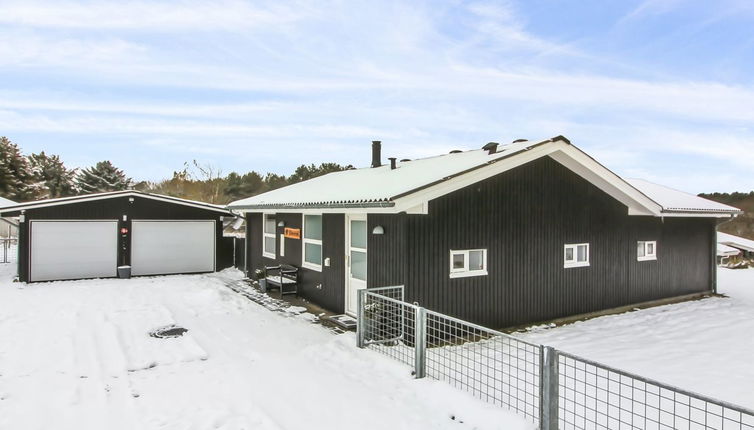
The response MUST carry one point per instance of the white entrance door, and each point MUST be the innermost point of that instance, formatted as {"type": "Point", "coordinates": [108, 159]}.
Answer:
{"type": "Point", "coordinates": [356, 259]}
{"type": "Point", "coordinates": [73, 250]}
{"type": "Point", "coordinates": [164, 247]}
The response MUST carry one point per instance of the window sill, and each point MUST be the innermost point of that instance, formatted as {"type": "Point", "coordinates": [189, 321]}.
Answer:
{"type": "Point", "coordinates": [310, 266]}
{"type": "Point", "coordinates": [268, 255]}
{"type": "Point", "coordinates": [650, 258]}
{"type": "Point", "coordinates": [468, 274]}
{"type": "Point", "coordinates": [577, 264]}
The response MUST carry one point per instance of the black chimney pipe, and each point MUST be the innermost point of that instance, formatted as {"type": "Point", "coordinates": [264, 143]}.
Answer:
{"type": "Point", "coordinates": [376, 153]}
{"type": "Point", "coordinates": [392, 162]}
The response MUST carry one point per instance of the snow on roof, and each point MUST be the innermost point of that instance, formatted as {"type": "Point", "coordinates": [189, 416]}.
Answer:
{"type": "Point", "coordinates": [5, 202]}
{"type": "Point", "coordinates": [673, 200]}
{"type": "Point", "coordinates": [111, 194]}
{"type": "Point", "coordinates": [725, 250]}
{"type": "Point", "coordinates": [735, 241]}
{"type": "Point", "coordinates": [379, 185]}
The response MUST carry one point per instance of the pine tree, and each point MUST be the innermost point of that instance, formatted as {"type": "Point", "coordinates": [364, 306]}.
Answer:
{"type": "Point", "coordinates": [238, 187]}
{"type": "Point", "coordinates": [16, 180]}
{"type": "Point", "coordinates": [304, 172]}
{"type": "Point", "coordinates": [52, 179]}
{"type": "Point", "coordinates": [273, 181]}
{"type": "Point", "coordinates": [102, 177]}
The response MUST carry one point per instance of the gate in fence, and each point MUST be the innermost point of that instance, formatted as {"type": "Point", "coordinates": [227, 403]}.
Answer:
{"type": "Point", "coordinates": [551, 388]}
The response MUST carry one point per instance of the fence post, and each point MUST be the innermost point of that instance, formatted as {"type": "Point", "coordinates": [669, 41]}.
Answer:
{"type": "Point", "coordinates": [548, 392]}
{"type": "Point", "coordinates": [361, 297]}
{"type": "Point", "coordinates": [420, 342]}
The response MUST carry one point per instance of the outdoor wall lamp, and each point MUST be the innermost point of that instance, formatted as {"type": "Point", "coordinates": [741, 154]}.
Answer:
{"type": "Point", "coordinates": [378, 229]}
{"type": "Point", "coordinates": [281, 223]}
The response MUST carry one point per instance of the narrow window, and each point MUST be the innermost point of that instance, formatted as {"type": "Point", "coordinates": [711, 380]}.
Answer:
{"type": "Point", "coordinates": [268, 244]}
{"type": "Point", "coordinates": [576, 255]}
{"type": "Point", "coordinates": [472, 262]}
{"type": "Point", "coordinates": [646, 250]}
{"type": "Point", "coordinates": [312, 242]}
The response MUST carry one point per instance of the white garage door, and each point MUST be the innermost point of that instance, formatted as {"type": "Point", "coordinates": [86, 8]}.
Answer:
{"type": "Point", "coordinates": [162, 247]}
{"type": "Point", "coordinates": [73, 249]}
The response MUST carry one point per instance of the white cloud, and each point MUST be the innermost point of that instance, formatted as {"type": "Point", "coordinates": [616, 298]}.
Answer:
{"type": "Point", "coordinates": [159, 16]}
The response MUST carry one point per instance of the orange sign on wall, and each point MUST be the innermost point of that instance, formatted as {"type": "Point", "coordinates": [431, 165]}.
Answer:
{"type": "Point", "coordinates": [292, 233]}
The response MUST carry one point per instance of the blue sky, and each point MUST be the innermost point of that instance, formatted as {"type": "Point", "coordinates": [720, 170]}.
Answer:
{"type": "Point", "coordinates": [657, 89]}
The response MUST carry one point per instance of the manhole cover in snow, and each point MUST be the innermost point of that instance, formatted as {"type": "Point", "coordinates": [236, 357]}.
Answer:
{"type": "Point", "coordinates": [168, 331]}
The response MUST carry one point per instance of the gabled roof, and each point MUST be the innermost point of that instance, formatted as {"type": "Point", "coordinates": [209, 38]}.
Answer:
{"type": "Point", "coordinates": [735, 241]}
{"type": "Point", "coordinates": [109, 195]}
{"type": "Point", "coordinates": [410, 186]}
{"type": "Point", "coordinates": [673, 200]}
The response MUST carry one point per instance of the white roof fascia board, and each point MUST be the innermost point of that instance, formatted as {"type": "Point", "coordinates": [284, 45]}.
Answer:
{"type": "Point", "coordinates": [567, 155]}
{"type": "Point", "coordinates": [176, 200]}
{"type": "Point", "coordinates": [421, 197]}
{"type": "Point", "coordinates": [698, 215]}
{"type": "Point", "coordinates": [601, 177]}
{"type": "Point", "coordinates": [317, 211]}
{"type": "Point", "coordinates": [111, 195]}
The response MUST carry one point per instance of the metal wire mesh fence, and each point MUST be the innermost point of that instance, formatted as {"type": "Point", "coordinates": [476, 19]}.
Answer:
{"type": "Point", "coordinates": [595, 396]}
{"type": "Point", "coordinates": [387, 325]}
{"type": "Point", "coordinates": [552, 388]}
{"type": "Point", "coordinates": [490, 365]}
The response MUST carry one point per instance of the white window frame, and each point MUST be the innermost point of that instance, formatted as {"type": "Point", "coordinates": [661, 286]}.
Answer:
{"type": "Point", "coordinates": [304, 241]}
{"type": "Point", "coordinates": [574, 262]}
{"type": "Point", "coordinates": [465, 272]}
{"type": "Point", "coordinates": [647, 256]}
{"type": "Point", "coordinates": [265, 235]}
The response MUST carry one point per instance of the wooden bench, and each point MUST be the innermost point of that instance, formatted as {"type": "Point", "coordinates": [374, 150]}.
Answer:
{"type": "Point", "coordinates": [284, 277]}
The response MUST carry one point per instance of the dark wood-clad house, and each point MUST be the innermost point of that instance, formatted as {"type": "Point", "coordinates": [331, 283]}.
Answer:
{"type": "Point", "coordinates": [501, 236]}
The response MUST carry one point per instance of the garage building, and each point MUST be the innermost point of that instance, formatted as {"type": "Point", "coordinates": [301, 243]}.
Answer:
{"type": "Point", "coordinates": [91, 236]}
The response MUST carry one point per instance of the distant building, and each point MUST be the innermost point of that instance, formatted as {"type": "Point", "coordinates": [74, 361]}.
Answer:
{"type": "Point", "coordinates": [735, 249]}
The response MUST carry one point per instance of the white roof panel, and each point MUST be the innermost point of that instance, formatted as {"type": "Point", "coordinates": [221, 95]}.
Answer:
{"type": "Point", "coordinates": [370, 186]}
{"type": "Point", "coordinates": [673, 200]}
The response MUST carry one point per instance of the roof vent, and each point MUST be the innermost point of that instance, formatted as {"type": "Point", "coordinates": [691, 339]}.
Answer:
{"type": "Point", "coordinates": [392, 162]}
{"type": "Point", "coordinates": [520, 140]}
{"type": "Point", "coordinates": [491, 147]}
{"type": "Point", "coordinates": [456, 151]}
{"type": "Point", "coordinates": [376, 153]}
{"type": "Point", "coordinates": [405, 160]}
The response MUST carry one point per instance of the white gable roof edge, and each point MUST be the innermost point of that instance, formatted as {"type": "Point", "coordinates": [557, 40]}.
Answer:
{"type": "Point", "coordinates": [110, 195]}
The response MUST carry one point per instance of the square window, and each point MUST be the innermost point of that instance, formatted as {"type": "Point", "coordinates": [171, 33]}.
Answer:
{"type": "Point", "coordinates": [646, 250]}
{"type": "Point", "coordinates": [576, 255]}
{"type": "Point", "coordinates": [472, 262]}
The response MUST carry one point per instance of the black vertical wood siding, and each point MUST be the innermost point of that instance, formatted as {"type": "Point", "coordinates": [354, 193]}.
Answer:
{"type": "Point", "coordinates": [523, 218]}
{"type": "Point", "coordinates": [325, 288]}
{"type": "Point", "coordinates": [114, 209]}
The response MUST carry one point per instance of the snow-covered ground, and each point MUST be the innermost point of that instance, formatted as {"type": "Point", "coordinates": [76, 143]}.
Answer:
{"type": "Point", "coordinates": [77, 355]}
{"type": "Point", "coordinates": [705, 346]}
